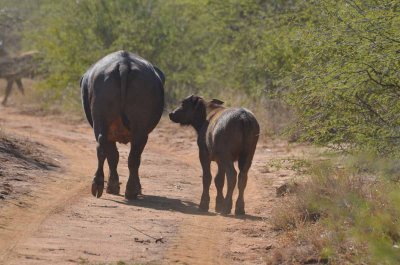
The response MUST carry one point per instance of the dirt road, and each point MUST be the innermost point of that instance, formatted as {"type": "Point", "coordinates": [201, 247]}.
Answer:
{"type": "Point", "coordinates": [60, 222]}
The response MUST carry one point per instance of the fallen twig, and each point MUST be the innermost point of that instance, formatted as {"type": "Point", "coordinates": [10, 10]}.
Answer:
{"type": "Point", "coordinates": [160, 239]}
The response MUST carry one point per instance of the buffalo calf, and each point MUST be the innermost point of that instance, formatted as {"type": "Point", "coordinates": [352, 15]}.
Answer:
{"type": "Point", "coordinates": [224, 135]}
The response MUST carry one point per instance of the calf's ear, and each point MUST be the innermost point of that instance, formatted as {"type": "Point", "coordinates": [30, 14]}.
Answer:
{"type": "Point", "coordinates": [217, 101]}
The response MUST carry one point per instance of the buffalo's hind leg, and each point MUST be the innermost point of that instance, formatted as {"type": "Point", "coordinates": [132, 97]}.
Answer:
{"type": "Point", "coordinates": [98, 180]}
{"type": "Point", "coordinates": [133, 187]}
{"type": "Point", "coordinates": [231, 175]}
{"type": "Point", "coordinates": [219, 184]}
{"type": "Point", "coordinates": [112, 159]}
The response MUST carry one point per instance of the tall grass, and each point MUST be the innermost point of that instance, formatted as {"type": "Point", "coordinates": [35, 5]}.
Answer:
{"type": "Point", "coordinates": [348, 210]}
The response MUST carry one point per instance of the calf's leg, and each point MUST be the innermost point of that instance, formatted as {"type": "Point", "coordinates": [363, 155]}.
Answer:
{"type": "Point", "coordinates": [231, 180]}
{"type": "Point", "coordinates": [112, 159]}
{"type": "Point", "coordinates": [245, 160]}
{"type": "Point", "coordinates": [219, 184]}
{"type": "Point", "coordinates": [239, 208]}
{"type": "Point", "coordinates": [133, 187]}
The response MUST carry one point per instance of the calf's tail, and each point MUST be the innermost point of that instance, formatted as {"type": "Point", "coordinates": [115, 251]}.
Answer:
{"type": "Point", "coordinates": [251, 132]}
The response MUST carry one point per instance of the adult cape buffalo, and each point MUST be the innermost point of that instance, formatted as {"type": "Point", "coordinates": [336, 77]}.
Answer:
{"type": "Point", "coordinates": [123, 99]}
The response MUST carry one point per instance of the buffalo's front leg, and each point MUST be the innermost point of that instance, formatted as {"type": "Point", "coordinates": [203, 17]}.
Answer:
{"type": "Point", "coordinates": [98, 180]}
{"type": "Point", "coordinates": [112, 159]}
{"type": "Point", "coordinates": [133, 187]}
{"type": "Point", "coordinates": [205, 197]}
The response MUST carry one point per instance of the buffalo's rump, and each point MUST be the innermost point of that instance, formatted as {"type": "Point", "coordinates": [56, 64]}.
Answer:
{"type": "Point", "coordinates": [125, 96]}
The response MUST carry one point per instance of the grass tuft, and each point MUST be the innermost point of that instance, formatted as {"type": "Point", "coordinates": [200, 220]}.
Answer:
{"type": "Point", "coordinates": [349, 211]}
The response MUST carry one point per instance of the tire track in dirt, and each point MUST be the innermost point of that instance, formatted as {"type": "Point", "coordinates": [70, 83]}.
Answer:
{"type": "Point", "coordinates": [21, 222]}
{"type": "Point", "coordinates": [66, 225]}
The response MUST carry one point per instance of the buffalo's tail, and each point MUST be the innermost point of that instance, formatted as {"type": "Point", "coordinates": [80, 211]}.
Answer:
{"type": "Point", "coordinates": [124, 70]}
{"type": "Point", "coordinates": [85, 100]}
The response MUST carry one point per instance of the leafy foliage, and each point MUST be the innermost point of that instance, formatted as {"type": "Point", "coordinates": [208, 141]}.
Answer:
{"type": "Point", "coordinates": [12, 17]}
{"type": "Point", "coordinates": [202, 45]}
{"type": "Point", "coordinates": [346, 86]}
{"type": "Point", "coordinates": [335, 62]}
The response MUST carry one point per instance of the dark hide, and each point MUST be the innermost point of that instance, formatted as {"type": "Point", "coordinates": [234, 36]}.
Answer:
{"type": "Point", "coordinates": [123, 99]}
{"type": "Point", "coordinates": [225, 135]}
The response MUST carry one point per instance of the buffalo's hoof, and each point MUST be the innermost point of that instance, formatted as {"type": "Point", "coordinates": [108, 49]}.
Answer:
{"type": "Point", "coordinates": [97, 189]}
{"type": "Point", "coordinates": [113, 189]}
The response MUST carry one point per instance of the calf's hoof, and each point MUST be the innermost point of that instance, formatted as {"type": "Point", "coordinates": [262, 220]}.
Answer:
{"type": "Point", "coordinates": [113, 189]}
{"type": "Point", "coordinates": [219, 204]}
{"type": "Point", "coordinates": [204, 203]}
{"type": "Point", "coordinates": [203, 208]}
{"type": "Point", "coordinates": [240, 211]}
{"type": "Point", "coordinates": [239, 208]}
{"type": "Point", "coordinates": [97, 189]}
{"type": "Point", "coordinates": [219, 208]}
{"type": "Point", "coordinates": [227, 207]}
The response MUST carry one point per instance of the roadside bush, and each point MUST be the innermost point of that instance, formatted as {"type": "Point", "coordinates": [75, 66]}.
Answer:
{"type": "Point", "coordinates": [357, 210]}
{"type": "Point", "coordinates": [345, 87]}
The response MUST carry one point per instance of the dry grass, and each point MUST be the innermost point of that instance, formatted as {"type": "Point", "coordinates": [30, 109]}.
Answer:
{"type": "Point", "coordinates": [343, 214]}
{"type": "Point", "coordinates": [273, 115]}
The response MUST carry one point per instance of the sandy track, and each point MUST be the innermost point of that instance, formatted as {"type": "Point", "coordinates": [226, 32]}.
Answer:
{"type": "Point", "coordinates": [64, 224]}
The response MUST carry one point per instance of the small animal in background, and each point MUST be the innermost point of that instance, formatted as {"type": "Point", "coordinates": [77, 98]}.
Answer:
{"type": "Point", "coordinates": [15, 67]}
{"type": "Point", "coordinates": [224, 135]}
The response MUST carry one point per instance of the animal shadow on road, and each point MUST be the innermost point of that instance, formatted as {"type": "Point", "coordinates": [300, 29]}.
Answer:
{"type": "Point", "coordinates": [171, 204]}
{"type": "Point", "coordinates": [164, 204]}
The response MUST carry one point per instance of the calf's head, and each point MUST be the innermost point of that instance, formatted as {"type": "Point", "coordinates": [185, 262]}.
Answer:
{"type": "Point", "coordinates": [192, 111]}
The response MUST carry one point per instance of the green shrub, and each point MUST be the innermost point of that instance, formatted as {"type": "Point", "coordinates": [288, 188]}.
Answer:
{"type": "Point", "coordinates": [357, 209]}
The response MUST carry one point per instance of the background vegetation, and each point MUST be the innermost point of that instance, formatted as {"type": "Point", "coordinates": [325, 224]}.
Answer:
{"type": "Point", "coordinates": [335, 63]}
{"type": "Point", "coordinates": [326, 70]}
{"type": "Point", "coordinates": [347, 210]}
